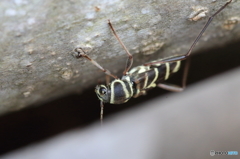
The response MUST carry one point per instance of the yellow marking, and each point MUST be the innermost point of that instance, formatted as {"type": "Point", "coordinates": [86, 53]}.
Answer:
{"type": "Point", "coordinates": [145, 81]}
{"type": "Point", "coordinates": [112, 92]}
{"type": "Point", "coordinates": [130, 85]}
{"type": "Point", "coordinates": [156, 64]}
{"type": "Point", "coordinates": [127, 95]}
{"type": "Point", "coordinates": [139, 69]}
{"type": "Point", "coordinates": [177, 66]}
{"type": "Point", "coordinates": [167, 71]}
{"type": "Point", "coordinates": [138, 91]}
{"type": "Point", "coordinates": [153, 84]}
{"type": "Point", "coordinates": [143, 69]}
{"type": "Point", "coordinates": [133, 70]}
{"type": "Point", "coordinates": [131, 88]}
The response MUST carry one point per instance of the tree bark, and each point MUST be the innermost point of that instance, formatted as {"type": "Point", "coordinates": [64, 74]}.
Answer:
{"type": "Point", "coordinates": [38, 39]}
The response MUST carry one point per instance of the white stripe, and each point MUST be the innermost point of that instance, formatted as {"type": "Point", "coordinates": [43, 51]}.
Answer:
{"type": "Point", "coordinates": [167, 71]}
{"type": "Point", "coordinates": [112, 92]}
{"type": "Point", "coordinates": [128, 80]}
{"type": "Point", "coordinates": [145, 81]}
{"type": "Point", "coordinates": [139, 69]}
{"type": "Point", "coordinates": [124, 90]}
{"type": "Point", "coordinates": [131, 88]}
{"type": "Point", "coordinates": [177, 66]}
{"type": "Point", "coordinates": [153, 84]}
{"type": "Point", "coordinates": [137, 91]}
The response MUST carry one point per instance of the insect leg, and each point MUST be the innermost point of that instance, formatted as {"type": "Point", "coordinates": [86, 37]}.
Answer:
{"type": "Point", "coordinates": [81, 53]}
{"type": "Point", "coordinates": [183, 57]}
{"type": "Point", "coordinates": [175, 88]}
{"type": "Point", "coordinates": [101, 111]}
{"type": "Point", "coordinates": [170, 87]}
{"type": "Point", "coordinates": [130, 57]}
{"type": "Point", "coordinates": [107, 79]}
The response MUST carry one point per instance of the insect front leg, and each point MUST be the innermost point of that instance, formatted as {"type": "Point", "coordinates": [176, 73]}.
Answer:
{"type": "Point", "coordinates": [107, 78]}
{"type": "Point", "coordinates": [82, 53]}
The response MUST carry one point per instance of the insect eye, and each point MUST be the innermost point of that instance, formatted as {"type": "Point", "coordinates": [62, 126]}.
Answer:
{"type": "Point", "coordinates": [103, 91]}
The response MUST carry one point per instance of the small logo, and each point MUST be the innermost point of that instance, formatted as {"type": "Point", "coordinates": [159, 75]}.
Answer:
{"type": "Point", "coordinates": [212, 153]}
{"type": "Point", "coordinates": [232, 152]}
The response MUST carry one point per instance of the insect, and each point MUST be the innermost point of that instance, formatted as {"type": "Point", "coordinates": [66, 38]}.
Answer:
{"type": "Point", "coordinates": [136, 81]}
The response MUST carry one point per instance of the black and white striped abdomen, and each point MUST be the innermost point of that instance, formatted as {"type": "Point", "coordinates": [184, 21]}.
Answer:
{"type": "Point", "coordinates": [148, 76]}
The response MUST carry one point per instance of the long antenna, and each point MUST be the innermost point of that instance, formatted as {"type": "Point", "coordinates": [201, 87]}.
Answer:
{"type": "Point", "coordinates": [184, 57]}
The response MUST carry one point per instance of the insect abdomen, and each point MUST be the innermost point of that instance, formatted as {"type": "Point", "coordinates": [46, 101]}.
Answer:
{"type": "Point", "coordinates": [146, 77]}
{"type": "Point", "coordinates": [166, 70]}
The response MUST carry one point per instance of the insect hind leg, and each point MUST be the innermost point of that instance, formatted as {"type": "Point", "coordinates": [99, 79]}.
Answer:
{"type": "Point", "coordinates": [185, 56]}
{"type": "Point", "coordinates": [176, 88]}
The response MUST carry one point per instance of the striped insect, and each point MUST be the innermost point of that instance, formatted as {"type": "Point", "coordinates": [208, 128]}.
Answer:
{"type": "Point", "coordinates": [136, 81]}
